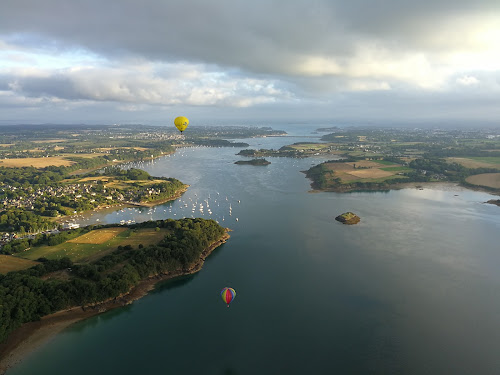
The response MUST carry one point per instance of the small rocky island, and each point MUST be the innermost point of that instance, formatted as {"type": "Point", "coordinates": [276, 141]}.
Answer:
{"type": "Point", "coordinates": [253, 162]}
{"type": "Point", "coordinates": [494, 201]}
{"type": "Point", "coordinates": [348, 218]}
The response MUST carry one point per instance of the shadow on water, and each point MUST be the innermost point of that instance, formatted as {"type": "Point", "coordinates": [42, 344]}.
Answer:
{"type": "Point", "coordinates": [214, 254]}
{"type": "Point", "coordinates": [173, 283]}
{"type": "Point", "coordinates": [95, 320]}
{"type": "Point", "coordinates": [180, 281]}
{"type": "Point", "coordinates": [162, 286]}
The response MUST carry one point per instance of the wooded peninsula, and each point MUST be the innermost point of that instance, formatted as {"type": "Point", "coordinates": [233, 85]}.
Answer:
{"type": "Point", "coordinates": [179, 248]}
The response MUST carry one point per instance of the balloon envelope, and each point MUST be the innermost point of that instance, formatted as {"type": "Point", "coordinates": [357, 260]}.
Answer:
{"type": "Point", "coordinates": [181, 123]}
{"type": "Point", "coordinates": [228, 295]}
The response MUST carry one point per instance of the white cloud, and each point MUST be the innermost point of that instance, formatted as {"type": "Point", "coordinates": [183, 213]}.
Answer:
{"type": "Point", "coordinates": [149, 83]}
{"type": "Point", "coordinates": [467, 81]}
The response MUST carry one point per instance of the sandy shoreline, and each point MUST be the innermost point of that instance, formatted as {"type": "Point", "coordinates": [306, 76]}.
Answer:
{"type": "Point", "coordinates": [31, 336]}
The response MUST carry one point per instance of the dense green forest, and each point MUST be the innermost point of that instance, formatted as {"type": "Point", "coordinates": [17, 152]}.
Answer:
{"type": "Point", "coordinates": [30, 294]}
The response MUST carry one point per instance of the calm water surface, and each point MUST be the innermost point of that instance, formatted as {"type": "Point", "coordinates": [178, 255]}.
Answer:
{"type": "Point", "coordinates": [412, 289]}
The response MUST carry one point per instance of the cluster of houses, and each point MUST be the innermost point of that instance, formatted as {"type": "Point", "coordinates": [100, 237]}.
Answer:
{"type": "Point", "coordinates": [7, 237]}
{"type": "Point", "coordinates": [27, 195]}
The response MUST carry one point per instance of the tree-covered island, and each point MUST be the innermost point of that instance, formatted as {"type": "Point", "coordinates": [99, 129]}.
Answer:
{"type": "Point", "coordinates": [258, 162]}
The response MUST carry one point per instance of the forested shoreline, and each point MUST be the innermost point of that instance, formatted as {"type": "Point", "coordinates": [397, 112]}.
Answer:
{"type": "Point", "coordinates": [31, 294]}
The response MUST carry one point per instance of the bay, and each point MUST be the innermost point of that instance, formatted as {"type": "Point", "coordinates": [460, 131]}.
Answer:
{"type": "Point", "coordinates": [412, 289]}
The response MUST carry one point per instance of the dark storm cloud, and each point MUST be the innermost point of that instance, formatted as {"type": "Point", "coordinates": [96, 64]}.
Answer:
{"type": "Point", "coordinates": [57, 86]}
{"type": "Point", "coordinates": [259, 36]}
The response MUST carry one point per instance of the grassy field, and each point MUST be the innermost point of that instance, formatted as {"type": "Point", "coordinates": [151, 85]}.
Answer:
{"type": "Point", "coordinates": [35, 162]}
{"type": "Point", "coordinates": [43, 162]}
{"type": "Point", "coordinates": [95, 178]}
{"type": "Point", "coordinates": [364, 154]}
{"type": "Point", "coordinates": [85, 156]}
{"type": "Point", "coordinates": [123, 148]}
{"type": "Point", "coordinates": [97, 243]}
{"type": "Point", "coordinates": [10, 263]}
{"type": "Point", "coordinates": [99, 236]}
{"type": "Point", "coordinates": [311, 146]}
{"type": "Point", "coordinates": [125, 184]}
{"type": "Point", "coordinates": [397, 169]}
{"type": "Point", "coordinates": [485, 179]}
{"type": "Point", "coordinates": [488, 159]}
{"type": "Point", "coordinates": [370, 173]}
{"type": "Point", "coordinates": [378, 179]}
{"type": "Point", "coordinates": [477, 162]}
{"type": "Point", "coordinates": [365, 171]}
{"type": "Point", "coordinates": [145, 236]}
{"type": "Point", "coordinates": [50, 141]}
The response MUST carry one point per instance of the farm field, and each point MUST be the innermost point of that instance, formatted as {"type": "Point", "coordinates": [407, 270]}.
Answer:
{"type": "Point", "coordinates": [365, 170]}
{"type": "Point", "coordinates": [98, 236]}
{"type": "Point", "coordinates": [85, 156]}
{"type": "Point", "coordinates": [104, 149]}
{"type": "Point", "coordinates": [125, 184]}
{"type": "Point", "coordinates": [35, 162]}
{"type": "Point", "coordinates": [311, 146]}
{"type": "Point", "coordinates": [42, 162]}
{"type": "Point", "coordinates": [145, 236]}
{"type": "Point", "coordinates": [491, 180]}
{"type": "Point", "coordinates": [50, 141]}
{"type": "Point", "coordinates": [11, 263]}
{"type": "Point", "coordinates": [477, 162]}
{"type": "Point", "coordinates": [97, 243]}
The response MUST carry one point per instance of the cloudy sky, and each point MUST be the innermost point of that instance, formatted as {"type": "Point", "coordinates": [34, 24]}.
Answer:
{"type": "Point", "coordinates": [214, 61]}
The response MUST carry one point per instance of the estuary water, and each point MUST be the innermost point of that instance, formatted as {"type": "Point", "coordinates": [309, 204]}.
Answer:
{"type": "Point", "coordinates": [414, 288]}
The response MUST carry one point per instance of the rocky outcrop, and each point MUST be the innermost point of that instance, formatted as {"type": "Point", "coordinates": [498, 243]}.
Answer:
{"type": "Point", "coordinates": [348, 218]}
{"type": "Point", "coordinates": [494, 201]}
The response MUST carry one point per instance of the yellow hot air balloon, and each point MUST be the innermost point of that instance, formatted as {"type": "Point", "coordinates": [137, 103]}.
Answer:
{"type": "Point", "coordinates": [181, 123]}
